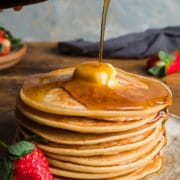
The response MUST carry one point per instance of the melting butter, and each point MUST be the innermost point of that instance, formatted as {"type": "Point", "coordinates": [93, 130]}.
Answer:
{"type": "Point", "coordinates": [95, 73]}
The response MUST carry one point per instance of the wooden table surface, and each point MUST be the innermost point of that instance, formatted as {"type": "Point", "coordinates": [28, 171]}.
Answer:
{"type": "Point", "coordinates": [43, 57]}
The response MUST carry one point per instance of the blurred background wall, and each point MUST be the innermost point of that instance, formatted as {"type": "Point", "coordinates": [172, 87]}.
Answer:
{"type": "Point", "coordinates": [71, 19]}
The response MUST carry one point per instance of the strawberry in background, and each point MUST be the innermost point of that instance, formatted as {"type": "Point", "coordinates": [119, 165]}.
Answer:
{"type": "Point", "coordinates": [24, 161]}
{"type": "Point", "coordinates": [8, 42]}
{"type": "Point", "coordinates": [164, 64]}
{"type": "Point", "coordinates": [5, 45]}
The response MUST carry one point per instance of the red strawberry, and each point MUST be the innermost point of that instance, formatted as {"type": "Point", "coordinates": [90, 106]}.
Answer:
{"type": "Point", "coordinates": [5, 46]}
{"type": "Point", "coordinates": [2, 33]}
{"type": "Point", "coordinates": [24, 161]}
{"type": "Point", "coordinates": [164, 64]}
{"type": "Point", "coordinates": [154, 61]}
{"type": "Point", "coordinates": [175, 66]}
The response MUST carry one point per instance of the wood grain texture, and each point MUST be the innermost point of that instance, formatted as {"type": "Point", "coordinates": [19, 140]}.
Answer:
{"type": "Point", "coordinates": [43, 57]}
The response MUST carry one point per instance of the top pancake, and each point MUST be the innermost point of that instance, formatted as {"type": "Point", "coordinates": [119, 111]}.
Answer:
{"type": "Point", "coordinates": [43, 92]}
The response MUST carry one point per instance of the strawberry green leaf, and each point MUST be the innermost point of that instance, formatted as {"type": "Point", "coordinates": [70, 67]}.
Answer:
{"type": "Point", "coordinates": [162, 72]}
{"type": "Point", "coordinates": [3, 145]}
{"type": "Point", "coordinates": [20, 149]}
{"type": "Point", "coordinates": [7, 167]}
{"type": "Point", "coordinates": [1, 47]}
{"type": "Point", "coordinates": [15, 42]}
{"type": "Point", "coordinates": [158, 71]}
{"type": "Point", "coordinates": [162, 54]}
{"type": "Point", "coordinates": [166, 58]}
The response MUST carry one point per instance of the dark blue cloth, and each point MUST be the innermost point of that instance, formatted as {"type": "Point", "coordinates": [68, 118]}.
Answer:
{"type": "Point", "coordinates": [135, 45]}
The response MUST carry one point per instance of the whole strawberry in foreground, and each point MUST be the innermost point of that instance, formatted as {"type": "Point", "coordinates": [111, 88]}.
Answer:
{"type": "Point", "coordinates": [24, 161]}
{"type": "Point", "coordinates": [163, 64]}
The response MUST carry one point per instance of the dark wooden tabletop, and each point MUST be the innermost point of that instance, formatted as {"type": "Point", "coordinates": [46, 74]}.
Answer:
{"type": "Point", "coordinates": [43, 57]}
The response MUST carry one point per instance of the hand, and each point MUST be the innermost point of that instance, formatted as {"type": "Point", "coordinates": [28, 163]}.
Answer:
{"type": "Point", "coordinates": [17, 8]}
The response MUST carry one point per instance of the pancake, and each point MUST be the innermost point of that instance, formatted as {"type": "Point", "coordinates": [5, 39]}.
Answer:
{"type": "Point", "coordinates": [100, 122]}
{"type": "Point", "coordinates": [109, 169]}
{"type": "Point", "coordinates": [150, 168]}
{"type": "Point", "coordinates": [109, 160]}
{"type": "Point", "coordinates": [101, 161]}
{"type": "Point", "coordinates": [31, 110]}
{"type": "Point", "coordinates": [81, 124]}
{"type": "Point", "coordinates": [154, 166]}
{"type": "Point", "coordinates": [44, 93]}
{"type": "Point", "coordinates": [113, 147]}
{"type": "Point", "coordinates": [69, 137]}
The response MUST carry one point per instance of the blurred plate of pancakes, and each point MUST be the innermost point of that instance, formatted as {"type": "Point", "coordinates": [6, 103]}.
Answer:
{"type": "Point", "coordinates": [90, 134]}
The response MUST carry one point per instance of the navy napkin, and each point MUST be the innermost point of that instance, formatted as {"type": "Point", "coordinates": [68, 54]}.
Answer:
{"type": "Point", "coordinates": [135, 45]}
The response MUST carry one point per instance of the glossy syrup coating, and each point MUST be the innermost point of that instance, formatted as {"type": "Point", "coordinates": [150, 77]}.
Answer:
{"type": "Point", "coordinates": [101, 86]}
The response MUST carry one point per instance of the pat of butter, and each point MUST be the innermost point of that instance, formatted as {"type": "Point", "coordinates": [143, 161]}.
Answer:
{"type": "Point", "coordinates": [96, 73]}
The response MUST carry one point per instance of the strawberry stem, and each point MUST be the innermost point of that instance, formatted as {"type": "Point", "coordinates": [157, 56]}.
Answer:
{"type": "Point", "coordinates": [1, 47]}
{"type": "Point", "coordinates": [36, 138]}
{"type": "Point", "coordinates": [31, 138]}
{"type": "Point", "coordinates": [3, 145]}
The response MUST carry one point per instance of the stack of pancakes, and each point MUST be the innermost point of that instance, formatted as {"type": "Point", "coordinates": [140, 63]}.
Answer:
{"type": "Point", "coordinates": [87, 143]}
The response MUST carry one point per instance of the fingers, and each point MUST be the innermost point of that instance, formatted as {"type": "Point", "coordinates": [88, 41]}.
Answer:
{"type": "Point", "coordinates": [17, 8]}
